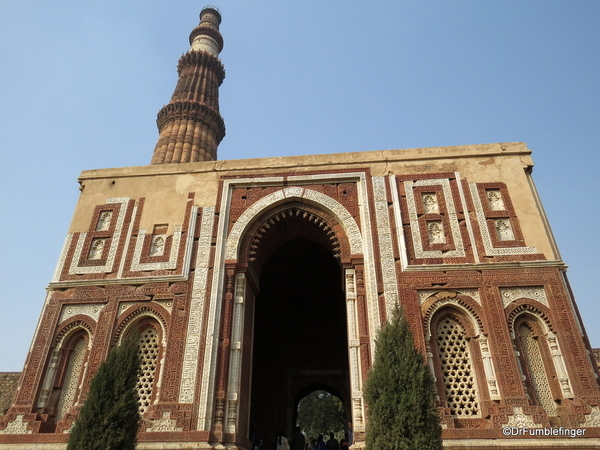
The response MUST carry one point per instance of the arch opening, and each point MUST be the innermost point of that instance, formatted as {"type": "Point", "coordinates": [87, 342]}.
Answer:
{"type": "Point", "coordinates": [67, 391]}
{"type": "Point", "coordinates": [540, 377]}
{"type": "Point", "coordinates": [320, 410]}
{"type": "Point", "coordinates": [64, 374]}
{"type": "Point", "coordinates": [300, 334]}
{"type": "Point", "coordinates": [454, 362]}
{"type": "Point", "coordinates": [149, 334]}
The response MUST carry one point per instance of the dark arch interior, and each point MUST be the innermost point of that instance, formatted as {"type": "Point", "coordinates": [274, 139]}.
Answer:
{"type": "Point", "coordinates": [300, 336]}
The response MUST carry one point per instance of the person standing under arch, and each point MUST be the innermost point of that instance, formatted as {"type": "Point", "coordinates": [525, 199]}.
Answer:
{"type": "Point", "coordinates": [332, 443]}
{"type": "Point", "coordinates": [298, 440]}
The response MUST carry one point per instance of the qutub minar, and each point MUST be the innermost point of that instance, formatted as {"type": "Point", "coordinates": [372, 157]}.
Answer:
{"type": "Point", "coordinates": [221, 266]}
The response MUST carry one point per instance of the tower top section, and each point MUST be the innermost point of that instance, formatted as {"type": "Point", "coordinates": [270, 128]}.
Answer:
{"type": "Point", "coordinates": [206, 35]}
{"type": "Point", "coordinates": [190, 125]}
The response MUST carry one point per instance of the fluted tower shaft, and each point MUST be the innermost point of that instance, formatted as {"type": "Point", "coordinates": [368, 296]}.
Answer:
{"type": "Point", "coordinates": [190, 127]}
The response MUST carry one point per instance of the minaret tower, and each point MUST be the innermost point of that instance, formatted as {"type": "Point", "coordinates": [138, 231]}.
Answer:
{"type": "Point", "coordinates": [190, 126]}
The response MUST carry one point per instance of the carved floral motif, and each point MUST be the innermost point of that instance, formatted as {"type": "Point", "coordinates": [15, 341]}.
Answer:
{"type": "Point", "coordinates": [104, 221]}
{"type": "Point", "coordinates": [424, 294]}
{"type": "Point", "coordinates": [494, 197]}
{"type": "Point", "coordinates": [592, 419]}
{"type": "Point", "coordinates": [504, 229]}
{"type": "Point", "coordinates": [165, 423]}
{"type": "Point", "coordinates": [91, 310]}
{"type": "Point", "coordinates": [435, 231]}
{"type": "Point", "coordinates": [434, 228]}
{"type": "Point", "coordinates": [520, 420]}
{"type": "Point", "coordinates": [490, 250]}
{"type": "Point", "coordinates": [97, 248]}
{"type": "Point", "coordinates": [430, 203]}
{"type": "Point", "coordinates": [510, 294]}
{"type": "Point", "coordinates": [17, 426]}
{"type": "Point", "coordinates": [157, 247]}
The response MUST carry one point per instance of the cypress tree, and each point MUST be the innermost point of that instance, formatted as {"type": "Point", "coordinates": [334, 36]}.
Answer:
{"type": "Point", "coordinates": [109, 418]}
{"type": "Point", "coordinates": [400, 393]}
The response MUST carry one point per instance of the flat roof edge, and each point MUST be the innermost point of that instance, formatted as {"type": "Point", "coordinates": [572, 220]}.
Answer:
{"type": "Point", "coordinates": [325, 160]}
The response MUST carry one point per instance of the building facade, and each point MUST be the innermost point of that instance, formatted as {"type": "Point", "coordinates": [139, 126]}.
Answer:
{"type": "Point", "coordinates": [255, 282]}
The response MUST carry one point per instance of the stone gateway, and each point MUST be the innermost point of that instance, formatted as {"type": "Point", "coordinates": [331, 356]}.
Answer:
{"type": "Point", "coordinates": [253, 283]}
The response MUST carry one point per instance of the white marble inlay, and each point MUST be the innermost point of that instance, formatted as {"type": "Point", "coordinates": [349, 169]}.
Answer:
{"type": "Point", "coordinates": [504, 229]}
{"type": "Point", "coordinates": [74, 269]}
{"type": "Point", "coordinates": [495, 201]}
{"type": "Point", "coordinates": [459, 251]}
{"type": "Point", "coordinates": [386, 249]}
{"type": "Point", "coordinates": [435, 232]}
{"type": "Point", "coordinates": [17, 426]}
{"type": "Point", "coordinates": [520, 420]}
{"type": "Point", "coordinates": [104, 221]}
{"type": "Point", "coordinates": [157, 246]}
{"type": "Point", "coordinates": [430, 203]}
{"type": "Point", "coordinates": [424, 294]}
{"type": "Point", "coordinates": [485, 233]}
{"type": "Point", "coordinates": [189, 372]}
{"type": "Point", "coordinates": [165, 423]}
{"type": "Point", "coordinates": [92, 310]}
{"type": "Point", "coordinates": [510, 294]}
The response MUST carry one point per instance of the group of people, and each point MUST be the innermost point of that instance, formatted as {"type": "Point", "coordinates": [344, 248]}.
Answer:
{"type": "Point", "coordinates": [331, 444]}
{"type": "Point", "coordinates": [299, 441]}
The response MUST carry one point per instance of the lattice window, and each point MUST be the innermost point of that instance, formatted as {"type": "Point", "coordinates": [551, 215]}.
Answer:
{"type": "Point", "coordinates": [461, 390]}
{"type": "Point", "coordinates": [537, 370]}
{"type": "Point", "coordinates": [71, 379]}
{"type": "Point", "coordinates": [149, 346]}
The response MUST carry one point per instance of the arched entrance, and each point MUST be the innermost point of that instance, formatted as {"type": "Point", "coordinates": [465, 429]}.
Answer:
{"type": "Point", "coordinates": [319, 409]}
{"type": "Point", "coordinates": [300, 331]}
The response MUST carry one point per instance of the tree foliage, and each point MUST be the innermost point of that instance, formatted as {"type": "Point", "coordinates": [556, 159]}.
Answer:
{"type": "Point", "coordinates": [109, 418]}
{"type": "Point", "coordinates": [321, 413]}
{"type": "Point", "coordinates": [400, 393]}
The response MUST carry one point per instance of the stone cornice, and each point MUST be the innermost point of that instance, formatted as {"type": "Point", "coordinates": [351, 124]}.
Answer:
{"type": "Point", "coordinates": [184, 110]}
{"type": "Point", "coordinates": [201, 58]}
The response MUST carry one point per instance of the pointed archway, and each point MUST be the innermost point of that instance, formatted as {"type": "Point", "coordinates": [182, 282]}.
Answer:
{"type": "Point", "coordinates": [269, 226]}
{"type": "Point", "coordinates": [300, 331]}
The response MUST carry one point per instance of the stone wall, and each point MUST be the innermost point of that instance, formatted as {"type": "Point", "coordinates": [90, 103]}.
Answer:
{"type": "Point", "coordinates": [8, 386]}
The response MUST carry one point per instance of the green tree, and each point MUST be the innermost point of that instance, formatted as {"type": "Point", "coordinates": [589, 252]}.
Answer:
{"type": "Point", "coordinates": [109, 418]}
{"type": "Point", "coordinates": [400, 393]}
{"type": "Point", "coordinates": [320, 413]}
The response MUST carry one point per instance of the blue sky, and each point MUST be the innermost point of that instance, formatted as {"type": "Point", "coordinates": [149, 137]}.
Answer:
{"type": "Point", "coordinates": [82, 82]}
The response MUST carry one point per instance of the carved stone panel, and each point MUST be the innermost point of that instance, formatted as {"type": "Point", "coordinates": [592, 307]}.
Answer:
{"type": "Point", "coordinates": [91, 310]}
{"type": "Point", "coordinates": [504, 240]}
{"type": "Point", "coordinates": [439, 221]}
{"type": "Point", "coordinates": [495, 201]}
{"type": "Point", "coordinates": [510, 294]}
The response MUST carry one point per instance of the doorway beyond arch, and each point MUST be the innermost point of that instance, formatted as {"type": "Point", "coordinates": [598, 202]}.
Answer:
{"type": "Point", "coordinates": [320, 409]}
